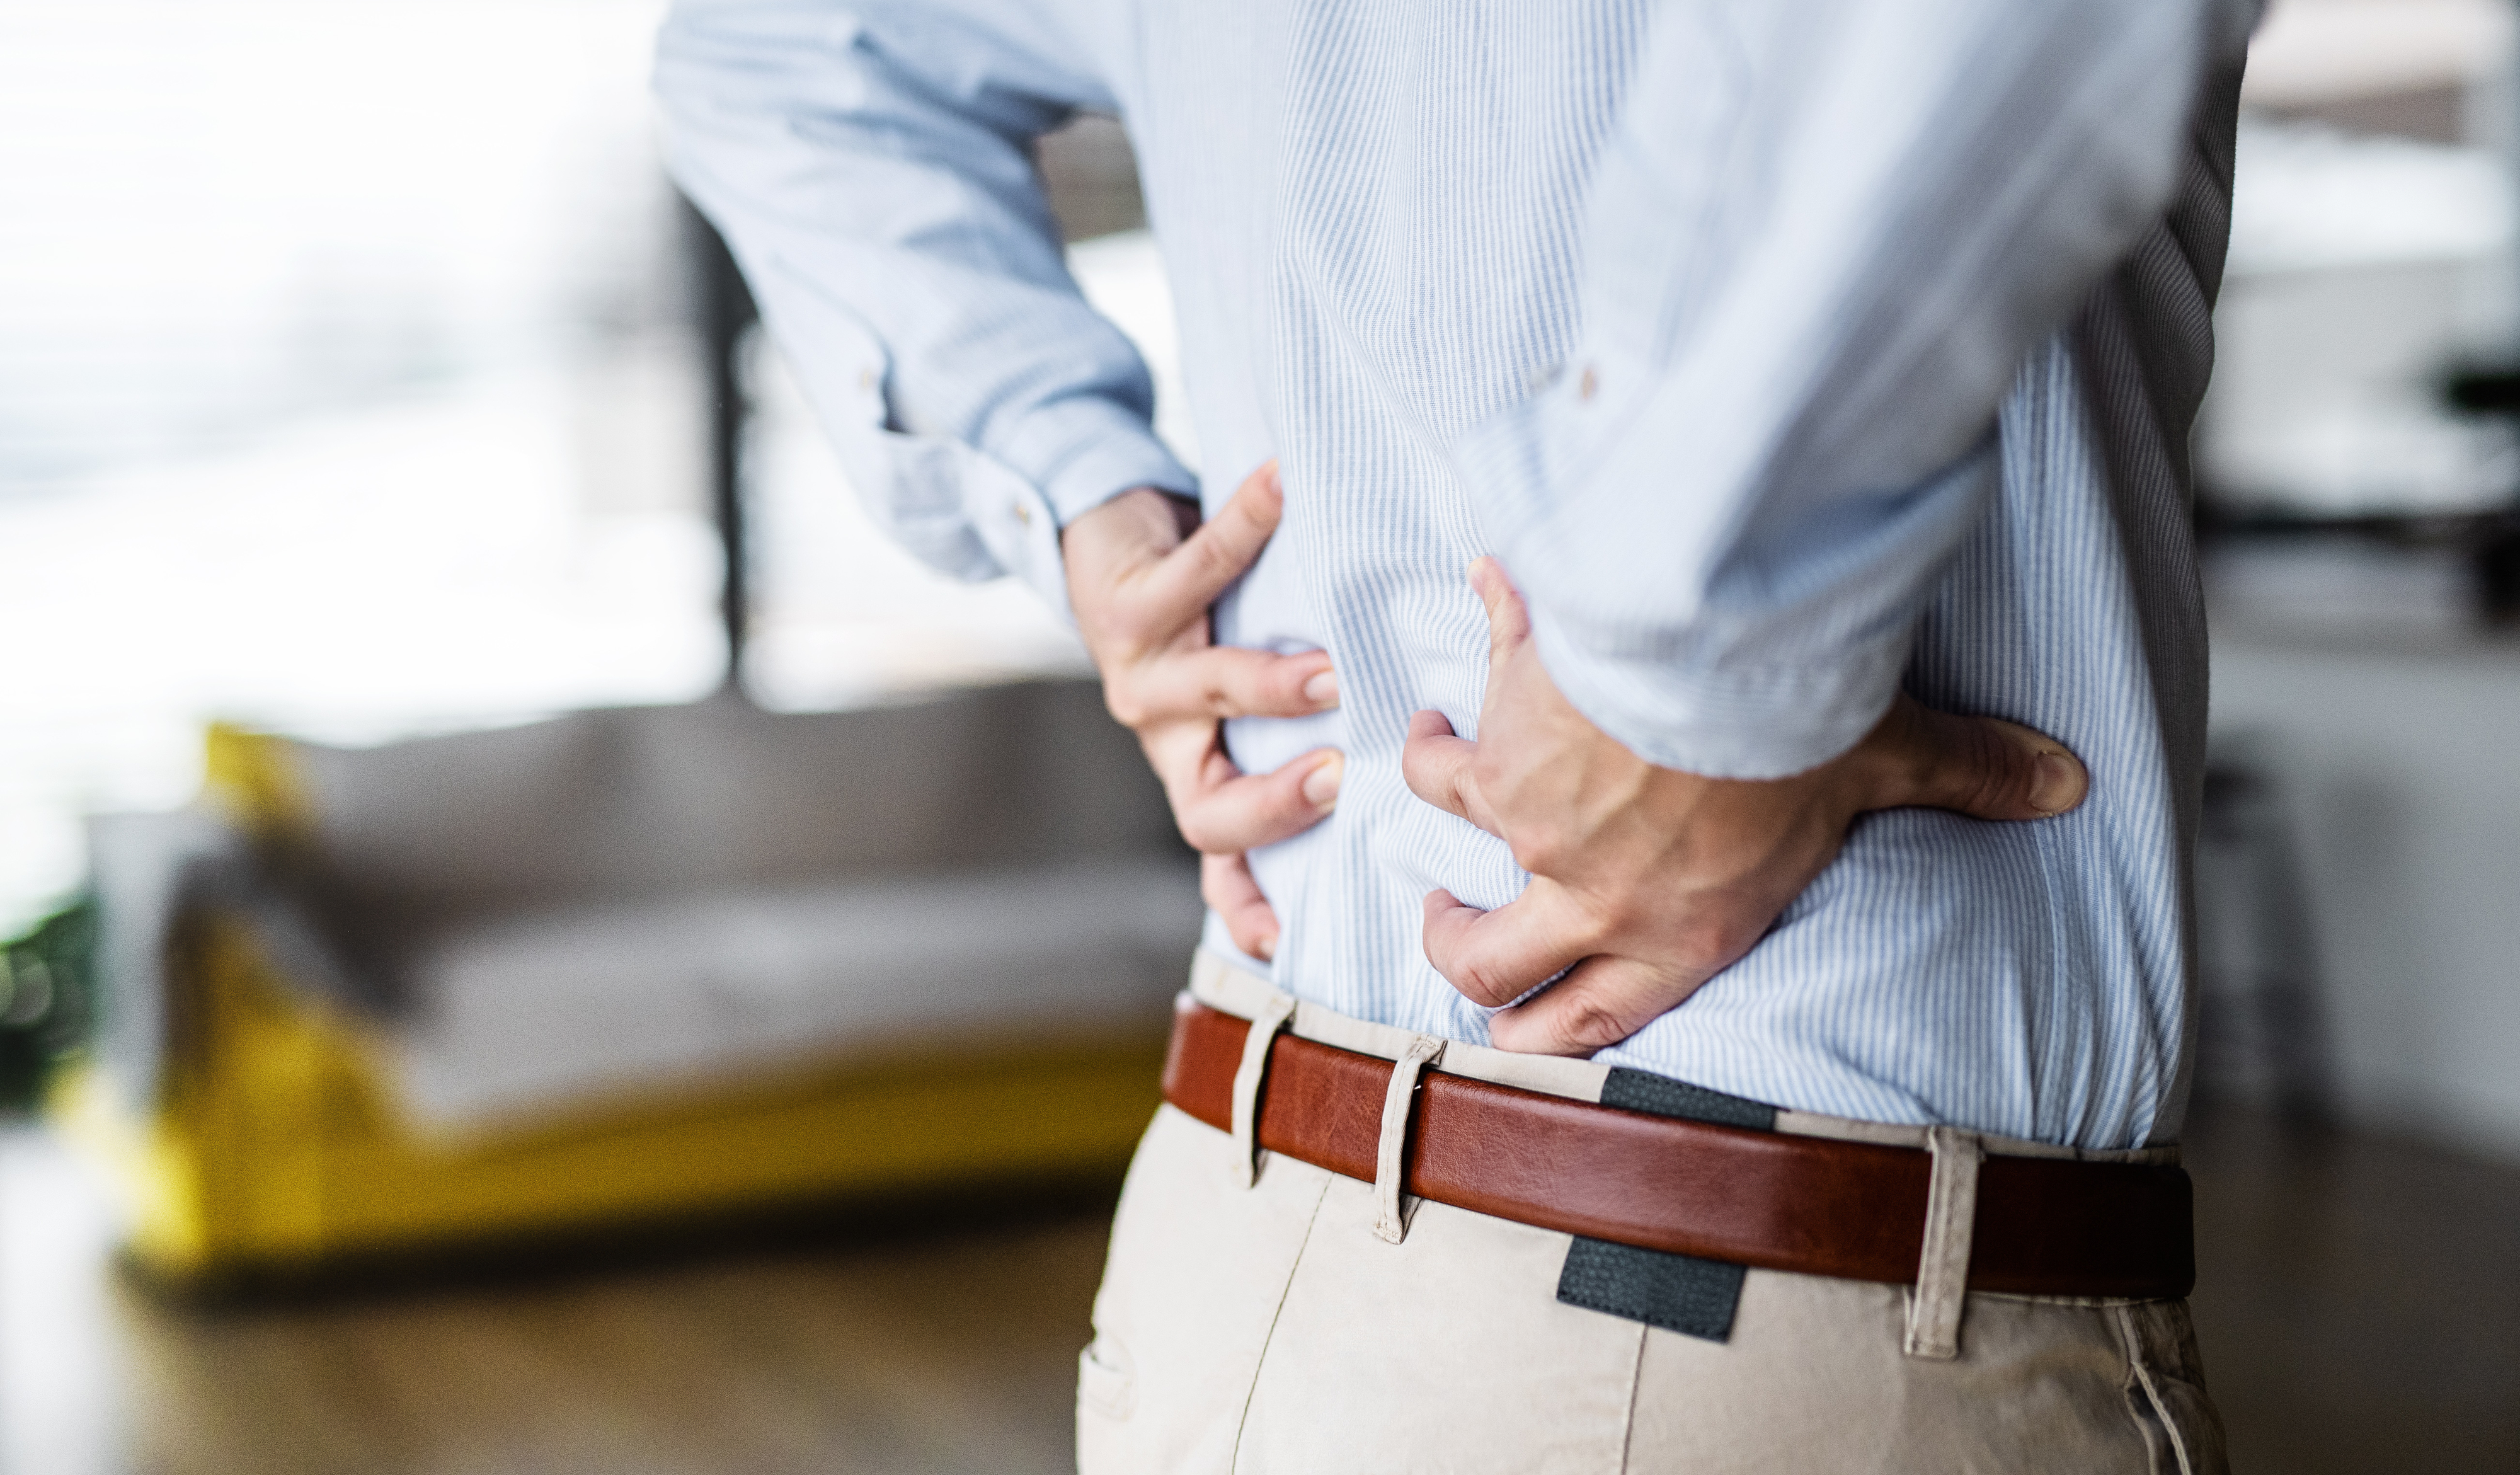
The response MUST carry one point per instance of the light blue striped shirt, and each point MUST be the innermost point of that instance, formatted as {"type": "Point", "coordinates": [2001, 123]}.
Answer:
{"type": "Point", "coordinates": [1786, 351]}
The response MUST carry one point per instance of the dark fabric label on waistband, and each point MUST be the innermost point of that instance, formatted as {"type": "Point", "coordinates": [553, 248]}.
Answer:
{"type": "Point", "coordinates": [1678, 1293]}
{"type": "Point", "coordinates": [1661, 1096]}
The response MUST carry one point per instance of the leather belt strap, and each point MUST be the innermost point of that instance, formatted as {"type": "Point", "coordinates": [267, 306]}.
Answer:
{"type": "Point", "coordinates": [1819, 1206]}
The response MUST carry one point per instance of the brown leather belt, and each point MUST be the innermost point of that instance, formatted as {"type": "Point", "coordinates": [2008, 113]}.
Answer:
{"type": "Point", "coordinates": [2048, 1226]}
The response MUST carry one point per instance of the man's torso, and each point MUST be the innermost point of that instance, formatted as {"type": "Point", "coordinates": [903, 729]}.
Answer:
{"type": "Point", "coordinates": [1372, 216]}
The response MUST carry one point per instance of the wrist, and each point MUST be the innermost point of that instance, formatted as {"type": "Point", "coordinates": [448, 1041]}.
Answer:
{"type": "Point", "coordinates": [1127, 532]}
{"type": "Point", "coordinates": [1140, 515]}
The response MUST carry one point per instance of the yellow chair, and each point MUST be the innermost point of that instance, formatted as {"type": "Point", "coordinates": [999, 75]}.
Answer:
{"type": "Point", "coordinates": [268, 1126]}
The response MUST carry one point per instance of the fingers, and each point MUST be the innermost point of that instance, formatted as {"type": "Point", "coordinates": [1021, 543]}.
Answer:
{"type": "Point", "coordinates": [1148, 630]}
{"type": "Point", "coordinates": [1437, 763]}
{"type": "Point", "coordinates": [1222, 811]}
{"type": "Point", "coordinates": [1437, 766]}
{"type": "Point", "coordinates": [1227, 681]}
{"type": "Point", "coordinates": [1979, 766]}
{"type": "Point", "coordinates": [1180, 589]}
{"type": "Point", "coordinates": [1495, 957]}
{"type": "Point", "coordinates": [1599, 1003]}
{"type": "Point", "coordinates": [1226, 884]}
{"type": "Point", "coordinates": [1509, 619]}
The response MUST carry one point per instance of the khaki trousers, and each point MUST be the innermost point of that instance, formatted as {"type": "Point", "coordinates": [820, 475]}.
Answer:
{"type": "Point", "coordinates": [1266, 1329]}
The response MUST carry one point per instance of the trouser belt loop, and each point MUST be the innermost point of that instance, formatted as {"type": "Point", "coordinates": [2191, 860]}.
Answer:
{"type": "Point", "coordinates": [1389, 1226]}
{"type": "Point", "coordinates": [1247, 1085]}
{"type": "Point", "coordinates": [1942, 1269]}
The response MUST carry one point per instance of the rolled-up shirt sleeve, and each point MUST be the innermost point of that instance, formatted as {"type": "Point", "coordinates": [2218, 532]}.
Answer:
{"type": "Point", "coordinates": [1823, 238]}
{"type": "Point", "coordinates": [870, 163]}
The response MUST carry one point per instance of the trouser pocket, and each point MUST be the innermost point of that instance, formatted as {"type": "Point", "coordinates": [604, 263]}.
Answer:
{"type": "Point", "coordinates": [1199, 1267]}
{"type": "Point", "coordinates": [1106, 1381]}
{"type": "Point", "coordinates": [2165, 1390]}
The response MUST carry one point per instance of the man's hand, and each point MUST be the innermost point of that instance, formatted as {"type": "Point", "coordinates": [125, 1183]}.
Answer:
{"type": "Point", "coordinates": [1142, 571]}
{"type": "Point", "coordinates": [1648, 882]}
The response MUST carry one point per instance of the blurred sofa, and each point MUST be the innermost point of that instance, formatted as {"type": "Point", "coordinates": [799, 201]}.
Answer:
{"type": "Point", "coordinates": [628, 966]}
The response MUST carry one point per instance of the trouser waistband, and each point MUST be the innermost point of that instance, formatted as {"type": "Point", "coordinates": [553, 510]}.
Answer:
{"type": "Point", "coordinates": [1636, 1162]}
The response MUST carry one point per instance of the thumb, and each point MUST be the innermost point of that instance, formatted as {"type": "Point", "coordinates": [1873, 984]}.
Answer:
{"type": "Point", "coordinates": [1983, 767]}
{"type": "Point", "coordinates": [1509, 620]}
{"type": "Point", "coordinates": [1219, 552]}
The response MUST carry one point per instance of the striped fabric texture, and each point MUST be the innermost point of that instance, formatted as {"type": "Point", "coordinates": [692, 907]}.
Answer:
{"type": "Point", "coordinates": [1787, 352]}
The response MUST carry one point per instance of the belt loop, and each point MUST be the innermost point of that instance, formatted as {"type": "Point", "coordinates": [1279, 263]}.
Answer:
{"type": "Point", "coordinates": [1271, 1018]}
{"type": "Point", "coordinates": [1425, 1050]}
{"type": "Point", "coordinates": [1941, 1270]}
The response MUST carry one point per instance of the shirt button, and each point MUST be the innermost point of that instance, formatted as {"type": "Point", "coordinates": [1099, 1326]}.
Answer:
{"type": "Point", "coordinates": [867, 379]}
{"type": "Point", "coordinates": [1023, 514]}
{"type": "Point", "coordinates": [1586, 387]}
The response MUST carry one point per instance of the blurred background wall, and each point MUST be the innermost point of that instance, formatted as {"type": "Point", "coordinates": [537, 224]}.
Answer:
{"type": "Point", "coordinates": [2363, 572]}
{"type": "Point", "coordinates": [350, 383]}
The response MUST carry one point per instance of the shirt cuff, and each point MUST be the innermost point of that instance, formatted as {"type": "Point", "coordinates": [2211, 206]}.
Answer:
{"type": "Point", "coordinates": [1083, 452]}
{"type": "Point", "coordinates": [1690, 698]}
{"type": "Point", "coordinates": [1759, 724]}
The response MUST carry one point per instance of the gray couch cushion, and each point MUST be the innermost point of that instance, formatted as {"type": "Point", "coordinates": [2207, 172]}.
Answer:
{"type": "Point", "coordinates": [532, 1015]}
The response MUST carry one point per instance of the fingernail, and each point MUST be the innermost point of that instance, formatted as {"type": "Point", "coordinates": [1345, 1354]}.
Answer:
{"type": "Point", "coordinates": [1266, 947]}
{"type": "Point", "coordinates": [1322, 785]}
{"type": "Point", "coordinates": [2055, 783]}
{"type": "Point", "coordinates": [1322, 690]}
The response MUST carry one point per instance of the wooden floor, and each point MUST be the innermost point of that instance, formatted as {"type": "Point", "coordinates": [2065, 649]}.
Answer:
{"type": "Point", "coordinates": [2360, 1311]}
{"type": "Point", "coordinates": [924, 1346]}
{"type": "Point", "coordinates": [2358, 1301]}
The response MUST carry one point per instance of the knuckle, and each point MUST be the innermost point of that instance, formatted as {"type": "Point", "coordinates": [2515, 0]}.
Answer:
{"type": "Point", "coordinates": [1200, 831]}
{"type": "Point", "coordinates": [1539, 849]}
{"type": "Point", "coordinates": [1711, 944]}
{"type": "Point", "coordinates": [1125, 621]}
{"type": "Point", "coordinates": [1989, 777]}
{"type": "Point", "coordinates": [1126, 704]}
{"type": "Point", "coordinates": [1992, 792]}
{"type": "Point", "coordinates": [1979, 787]}
{"type": "Point", "coordinates": [1480, 982]}
{"type": "Point", "coordinates": [1724, 944]}
{"type": "Point", "coordinates": [1591, 1024]}
{"type": "Point", "coordinates": [1211, 557]}
{"type": "Point", "coordinates": [1600, 919]}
